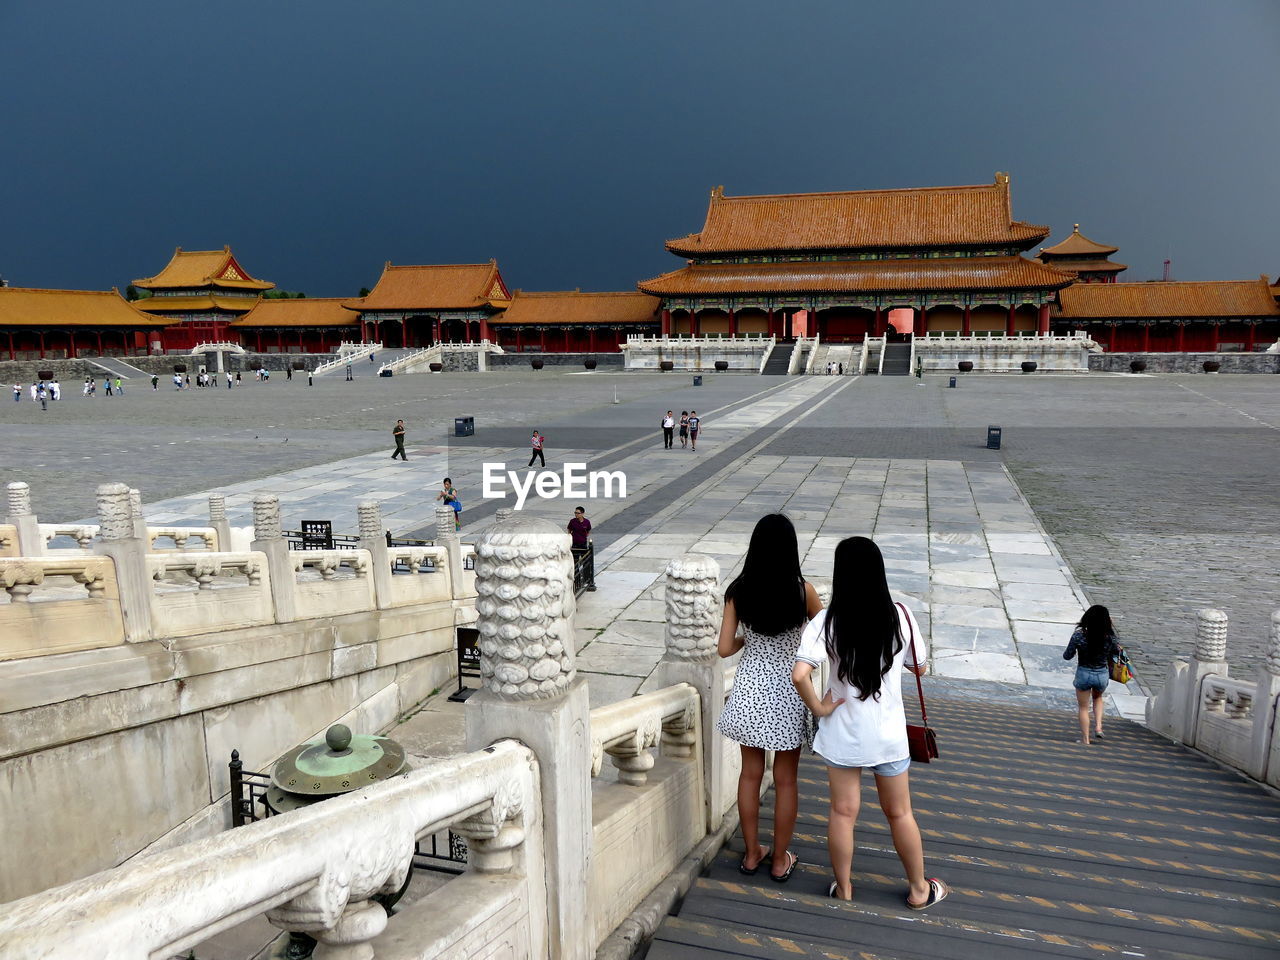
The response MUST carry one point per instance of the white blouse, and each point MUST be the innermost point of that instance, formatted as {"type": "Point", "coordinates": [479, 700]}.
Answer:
{"type": "Point", "coordinates": [863, 733]}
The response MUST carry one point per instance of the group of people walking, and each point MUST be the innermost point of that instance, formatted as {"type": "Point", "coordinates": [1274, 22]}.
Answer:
{"type": "Point", "coordinates": [857, 722]}
{"type": "Point", "coordinates": [690, 425]}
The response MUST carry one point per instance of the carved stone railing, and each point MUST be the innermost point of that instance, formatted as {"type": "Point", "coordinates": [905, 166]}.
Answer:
{"type": "Point", "coordinates": [181, 536]}
{"type": "Point", "coordinates": [82, 533]}
{"type": "Point", "coordinates": [1231, 719]}
{"type": "Point", "coordinates": [205, 568]}
{"type": "Point", "coordinates": [316, 870]}
{"type": "Point", "coordinates": [328, 562]}
{"type": "Point", "coordinates": [348, 352]}
{"type": "Point", "coordinates": [47, 612]}
{"type": "Point", "coordinates": [630, 729]}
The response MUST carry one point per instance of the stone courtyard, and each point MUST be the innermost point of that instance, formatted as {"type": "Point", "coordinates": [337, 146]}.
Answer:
{"type": "Point", "coordinates": [1153, 494]}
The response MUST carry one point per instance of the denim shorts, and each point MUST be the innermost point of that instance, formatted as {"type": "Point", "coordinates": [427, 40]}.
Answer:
{"type": "Point", "coordinates": [890, 769]}
{"type": "Point", "coordinates": [1090, 678]}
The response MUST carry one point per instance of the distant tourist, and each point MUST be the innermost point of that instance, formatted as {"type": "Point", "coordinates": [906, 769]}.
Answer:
{"type": "Point", "coordinates": [579, 529]}
{"type": "Point", "coordinates": [155, 382]}
{"type": "Point", "coordinates": [228, 379]}
{"type": "Point", "coordinates": [450, 497]}
{"type": "Point", "coordinates": [177, 381]}
{"type": "Point", "coordinates": [771, 602]}
{"type": "Point", "coordinates": [536, 443]}
{"type": "Point", "coordinates": [43, 396]}
{"type": "Point", "coordinates": [867, 639]}
{"type": "Point", "coordinates": [695, 424]}
{"type": "Point", "coordinates": [668, 430]}
{"type": "Point", "coordinates": [684, 429]}
{"type": "Point", "coordinates": [397, 434]}
{"type": "Point", "coordinates": [237, 376]}
{"type": "Point", "coordinates": [119, 386]}
{"type": "Point", "coordinates": [17, 393]}
{"type": "Point", "coordinates": [87, 389]}
{"type": "Point", "coordinates": [1093, 644]}
{"type": "Point", "coordinates": [107, 382]}
{"type": "Point", "coordinates": [55, 390]}
{"type": "Point", "coordinates": [35, 392]}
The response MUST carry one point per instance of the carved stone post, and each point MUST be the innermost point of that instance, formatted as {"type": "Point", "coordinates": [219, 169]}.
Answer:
{"type": "Point", "coordinates": [269, 540]}
{"type": "Point", "coordinates": [30, 542]}
{"type": "Point", "coordinates": [531, 692]}
{"type": "Point", "coordinates": [693, 624]}
{"type": "Point", "coordinates": [139, 521]}
{"type": "Point", "coordinates": [1210, 659]}
{"type": "Point", "coordinates": [374, 539]}
{"type": "Point", "coordinates": [504, 513]}
{"type": "Point", "coordinates": [119, 541]}
{"type": "Point", "coordinates": [218, 519]}
{"type": "Point", "coordinates": [447, 537]}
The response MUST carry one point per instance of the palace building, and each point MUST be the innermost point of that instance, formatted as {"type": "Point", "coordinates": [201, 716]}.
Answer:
{"type": "Point", "coordinates": [37, 324]}
{"type": "Point", "coordinates": [1088, 260]}
{"type": "Point", "coordinates": [851, 264]}
{"type": "Point", "coordinates": [417, 306]}
{"type": "Point", "coordinates": [301, 325]}
{"type": "Point", "coordinates": [1173, 316]}
{"type": "Point", "coordinates": [573, 321]}
{"type": "Point", "coordinates": [203, 289]}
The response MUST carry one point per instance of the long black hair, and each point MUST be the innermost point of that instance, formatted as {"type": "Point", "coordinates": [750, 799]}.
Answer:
{"type": "Point", "coordinates": [861, 632]}
{"type": "Point", "coordinates": [769, 594]}
{"type": "Point", "coordinates": [1096, 624]}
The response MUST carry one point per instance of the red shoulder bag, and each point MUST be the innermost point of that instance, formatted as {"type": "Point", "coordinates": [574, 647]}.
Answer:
{"type": "Point", "coordinates": [921, 740]}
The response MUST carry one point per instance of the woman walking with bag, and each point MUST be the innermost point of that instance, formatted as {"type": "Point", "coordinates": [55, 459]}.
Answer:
{"type": "Point", "coordinates": [772, 602]}
{"type": "Point", "coordinates": [867, 638]}
{"type": "Point", "coordinates": [1093, 644]}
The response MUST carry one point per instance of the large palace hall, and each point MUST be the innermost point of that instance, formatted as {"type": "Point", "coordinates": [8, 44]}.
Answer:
{"type": "Point", "coordinates": [842, 266]}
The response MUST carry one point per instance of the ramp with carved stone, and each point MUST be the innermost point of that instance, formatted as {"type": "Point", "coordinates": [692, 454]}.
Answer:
{"type": "Point", "coordinates": [1134, 847]}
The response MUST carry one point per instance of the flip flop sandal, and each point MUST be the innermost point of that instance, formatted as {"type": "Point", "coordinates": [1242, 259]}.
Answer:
{"type": "Point", "coordinates": [831, 891]}
{"type": "Point", "coordinates": [937, 893]}
{"type": "Point", "coordinates": [783, 878]}
{"type": "Point", "coordinates": [751, 871]}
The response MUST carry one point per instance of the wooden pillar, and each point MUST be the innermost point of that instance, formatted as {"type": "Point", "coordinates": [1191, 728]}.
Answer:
{"type": "Point", "coordinates": [484, 328]}
{"type": "Point", "coordinates": [1252, 337]}
{"type": "Point", "coordinates": [566, 340]}
{"type": "Point", "coordinates": [591, 339]}
{"type": "Point", "coordinates": [1181, 341]}
{"type": "Point", "coordinates": [1042, 327]}
{"type": "Point", "coordinates": [542, 339]}
{"type": "Point", "coordinates": [519, 339]}
{"type": "Point", "coordinates": [1146, 338]}
{"type": "Point", "coordinates": [71, 344]}
{"type": "Point", "coordinates": [666, 322]}
{"type": "Point", "coordinates": [1009, 328]}
{"type": "Point", "coordinates": [922, 322]}
{"type": "Point", "coordinates": [693, 322]}
{"type": "Point", "coordinates": [12, 353]}
{"type": "Point", "coordinates": [965, 328]}
{"type": "Point", "coordinates": [99, 337]}
{"type": "Point", "coordinates": [40, 334]}
{"type": "Point", "coordinates": [769, 324]}
{"type": "Point", "coordinates": [733, 323]}
{"type": "Point", "coordinates": [879, 328]}
{"type": "Point", "coordinates": [1215, 331]}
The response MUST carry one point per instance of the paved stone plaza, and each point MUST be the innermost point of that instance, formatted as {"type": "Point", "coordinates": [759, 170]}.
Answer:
{"type": "Point", "coordinates": [1159, 492]}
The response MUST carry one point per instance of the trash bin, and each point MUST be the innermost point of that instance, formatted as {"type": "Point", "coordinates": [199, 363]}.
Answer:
{"type": "Point", "coordinates": [952, 383]}
{"type": "Point", "coordinates": [464, 426]}
{"type": "Point", "coordinates": [993, 438]}
{"type": "Point", "coordinates": [697, 381]}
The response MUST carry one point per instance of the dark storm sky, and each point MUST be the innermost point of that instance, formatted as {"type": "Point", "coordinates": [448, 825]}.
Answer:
{"type": "Point", "coordinates": [568, 140]}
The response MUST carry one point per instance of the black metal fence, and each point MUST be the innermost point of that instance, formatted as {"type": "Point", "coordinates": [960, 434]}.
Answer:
{"type": "Point", "coordinates": [319, 535]}
{"type": "Point", "coordinates": [584, 568]}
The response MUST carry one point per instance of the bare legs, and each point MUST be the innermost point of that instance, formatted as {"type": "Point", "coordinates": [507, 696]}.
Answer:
{"type": "Point", "coordinates": [1097, 712]}
{"type": "Point", "coordinates": [1083, 701]}
{"type": "Point", "coordinates": [895, 801]}
{"type": "Point", "coordinates": [786, 765]}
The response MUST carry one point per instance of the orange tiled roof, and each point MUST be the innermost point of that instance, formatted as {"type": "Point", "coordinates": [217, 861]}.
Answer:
{"type": "Point", "coordinates": [1084, 266]}
{"type": "Point", "coordinates": [320, 312]}
{"type": "Point", "coordinates": [861, 276]}
{"type": "Point", "coordinates": [461, 286]}
{"type": "Point", "coordinates": [573, 306]}
{"type": "Point", "coordinates": [202, 268]}
{"type": "Point", "coordinates": [1180, 298]}
{"type": "Point", "coordinates": [205, 301]}
{"type": "Point", "coordinates": [917, 217]}
{"type": "Point", "coordinates": [31, 307]}
{"type": "Point", "coordinates": [1078, 245]}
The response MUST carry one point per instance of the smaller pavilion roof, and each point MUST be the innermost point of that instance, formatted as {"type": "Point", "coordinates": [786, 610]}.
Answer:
{"type": "Point", "coordinates": [574, 306]}
{"type": "Point", "coordinates": [202, 268]}
{"type": "Point", "coordinates": [32, 307]}
{"type": "Point", "coordinates": [301, 312]}
{"type": "Point", "coordinates": [201, 301]}
{"type": "Point", "coordinates": [455, 286]}
{"type": "Point", "coordinates": [1085, 266]}
{"type": "Point", "coordinates": [1078, 245]}
{"type": "Point", "coordinates": [1174, 298]}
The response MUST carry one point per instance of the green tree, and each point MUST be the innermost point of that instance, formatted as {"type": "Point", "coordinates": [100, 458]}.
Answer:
{"type": "Point", "coordinates": [364, 291]}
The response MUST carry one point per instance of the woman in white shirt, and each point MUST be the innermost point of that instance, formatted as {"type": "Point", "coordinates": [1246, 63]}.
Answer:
{"type": "Point", "coordinates": [866, 637]}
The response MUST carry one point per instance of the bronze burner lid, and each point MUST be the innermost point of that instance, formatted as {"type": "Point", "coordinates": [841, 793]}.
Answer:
{"type": "Point", "coordinates": [339, 763]}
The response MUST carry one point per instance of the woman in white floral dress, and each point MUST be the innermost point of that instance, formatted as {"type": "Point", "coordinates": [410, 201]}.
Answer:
{"type": "Point", "coordinates": [771, 601]}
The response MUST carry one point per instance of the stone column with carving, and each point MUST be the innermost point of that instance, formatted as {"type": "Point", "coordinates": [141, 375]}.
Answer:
{"type": "Point", "coordinates": [447, 537]}
{"type": "Point", "coordinates": [30, 542]}
{"type": "Point", "coordinates": [139, 521]}
{"type": "Point", "coordinates": [269, 540]}
{"type": "Point", "coordinates": [531, 692]}
{"type": "Point", "coordinates": [118, 540]}
{"type": "Point", "coordinates": [1210, 659]}
{"type": "Point", "coordinates": [218, 520]}
{"type": "Point", "coordinates": [693, 626]}
{"type": "Point", "coordinates": [373, 537]}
